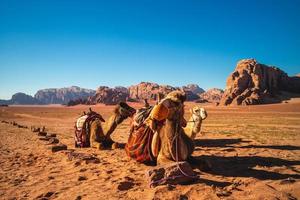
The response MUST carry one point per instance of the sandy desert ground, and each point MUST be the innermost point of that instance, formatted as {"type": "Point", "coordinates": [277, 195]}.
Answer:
{"type": "Point", "coordinates": [254, 153]}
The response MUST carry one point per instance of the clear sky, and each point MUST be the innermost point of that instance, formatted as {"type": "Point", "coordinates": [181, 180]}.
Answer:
{"type": "Point", "coordinates": [46, 44]}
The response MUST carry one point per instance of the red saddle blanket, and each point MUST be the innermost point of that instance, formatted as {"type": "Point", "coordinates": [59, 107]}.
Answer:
{"type": "Point", "coordinates": [138, 146]}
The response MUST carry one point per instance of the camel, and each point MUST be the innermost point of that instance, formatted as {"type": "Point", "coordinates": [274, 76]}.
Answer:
{"type": "Point", "coordinates": [100, 133]}
{"type": "Point", "coordinates": [194, 124]}
{"type": "Point", "coordinates": [172, 142]}
{"type": "Point", "coordinates": [160, 136]}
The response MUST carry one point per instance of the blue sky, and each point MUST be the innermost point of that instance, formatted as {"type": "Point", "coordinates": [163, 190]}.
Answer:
{"type": "Point", "coordinates": [46, 44]}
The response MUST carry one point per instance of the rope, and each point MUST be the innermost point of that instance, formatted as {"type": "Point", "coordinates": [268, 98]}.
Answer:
{"type": "Point", "coordinates": [175, 138]}
{"type": "Point", "coordinates": [177, 162]}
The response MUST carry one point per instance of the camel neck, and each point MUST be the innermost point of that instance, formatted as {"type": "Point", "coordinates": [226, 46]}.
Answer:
{"type": "Point", "coordinates": [193, 127]}
{"type": "Point", "coordinates": [110, 125]}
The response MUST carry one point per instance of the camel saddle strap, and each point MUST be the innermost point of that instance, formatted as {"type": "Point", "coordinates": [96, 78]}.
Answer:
{"type": "Point", "coordinates": [139, 142]}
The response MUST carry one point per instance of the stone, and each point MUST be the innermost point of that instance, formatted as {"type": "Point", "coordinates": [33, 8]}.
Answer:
{"type": "Point", "coordinates": [82, 178]}
{"type": "Point", "coordinates": [125, 185]}
{"type": "Point", "coordinates": [48, 194]}
{"type": "Point", "coordinates": [34, 129]}
{"type": "Point", "coordinates": [78, 198]}
{"type": "Point", "coordinates": [51, 134]}
{"type": "Point", "coordinates": [82, 157]}
{"type": "Point", "coordinates": [42, 133]}
{"type": "Point", "coordinates": [58, 147]}
{"type": "Point", "coordinates": [44, 138]}
{"type": "Point", "coordinates": [173, 173]}
{"type": "Point", "coordinates": [183, 197]}
{"type": "Point", "coordinates": [53, 140]}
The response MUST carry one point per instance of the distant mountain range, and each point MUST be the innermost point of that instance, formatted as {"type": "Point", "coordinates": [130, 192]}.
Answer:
{"type": "Point", "coordinates": [250, 83]}
{"type": "Point", "coordinates": [62, 95]}
{"type": "Point", "coordinates": [139, 92]}
{"type": "Point", "coordinates": [76, 95]}
{"type": "Point", "coordinates": [50, 96]}
{"type": "Point", "coordinates": [21, 98]}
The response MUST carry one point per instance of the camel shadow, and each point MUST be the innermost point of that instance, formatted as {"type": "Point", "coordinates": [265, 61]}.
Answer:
{"type": "Point", "coordinates": [208, 182]}
{"type": "Point", "coordinates": [230, 142]}
{"type": "Point", "coordinates": [218, 142]}
{"type": "Point", "coordinates": [279, 147]}
{"type": "Point", "coordinates": [243, 166]}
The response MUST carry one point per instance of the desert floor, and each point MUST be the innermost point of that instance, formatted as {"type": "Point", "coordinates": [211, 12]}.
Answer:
{"type": "Point", "coordinates": [254, 153]}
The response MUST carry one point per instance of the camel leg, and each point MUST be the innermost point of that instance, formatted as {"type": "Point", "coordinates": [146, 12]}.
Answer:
{"type": "Point", "coordinates": [155, 144]}
{"type": "Point", "coordinates": [162, 159]}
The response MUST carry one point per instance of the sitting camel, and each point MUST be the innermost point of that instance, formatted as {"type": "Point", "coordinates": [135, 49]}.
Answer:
{"type": "Point", "coordinates": [194, 124]}
{"type": "Point", "coordinates": [100, 134]}
{"type": "Point", "coordinates": [161, 137]}
{"type": "Point", "coordinates": [172, 142]}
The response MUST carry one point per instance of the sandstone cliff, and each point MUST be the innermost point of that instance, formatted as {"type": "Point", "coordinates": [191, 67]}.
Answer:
{"type": "Point", "coordinates": [62, 95]}
{"type": "Point", "coordinates": [254, 83]}
{"type": "Point", "coordinates": [212, 95]}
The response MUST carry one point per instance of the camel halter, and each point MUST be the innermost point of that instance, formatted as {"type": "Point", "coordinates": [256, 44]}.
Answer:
{"type": "Point", "coordinates": [176, 137]}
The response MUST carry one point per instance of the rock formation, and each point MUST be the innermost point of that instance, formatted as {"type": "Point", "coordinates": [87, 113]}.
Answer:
{"type": "Point", "coordinates": [212, 95]}
{"type": "Point", "coordinates": [254, 83]}
{"type": "Point", "coordinates": [75, 95]}
{"type": "Point", "coordinates": [62, 95]}
{"type": "Point", "coordinates": [21, 99]}
{"type": "Point", "coordinates": [109, 96]}
{"type": "Point", "coordinates": [194, 88]}
{"type": "Point", "coordinates": [147, 90]}
{"type": "Point", "coordinates": [192, 91]}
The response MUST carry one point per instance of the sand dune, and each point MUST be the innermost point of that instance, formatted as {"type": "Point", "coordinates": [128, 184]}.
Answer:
{"type": "Point", "coordinates": [254, 153]}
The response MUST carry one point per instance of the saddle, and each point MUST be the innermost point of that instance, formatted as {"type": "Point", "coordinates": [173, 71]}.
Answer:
{"type": "Point", "coordinates": [82, 128]}
{"type": "Point", "coordinates": [141, 135]}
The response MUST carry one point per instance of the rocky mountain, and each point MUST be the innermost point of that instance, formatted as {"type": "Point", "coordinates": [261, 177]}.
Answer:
{"type": "Point", "coordinates": [21, 99]}
{"type": "Point", "coordinates": [192, 91]}
{"type": "Point", "coordinates": [75, 95]}
{"type": "Point", "coordinates": [139, 92]}
{"type": "Point", "coordinates": [194, 88]}
{"type": "Point", "coordinates": [108, 95]}
{"type": "Point", "coordinates": [212, 95]}
{"type": "Point", "coordinates": [62, 95]}
{"type": "Point", "coordinates": [254, 83]}
{"type": "Point", "coordinates": [147, 90]}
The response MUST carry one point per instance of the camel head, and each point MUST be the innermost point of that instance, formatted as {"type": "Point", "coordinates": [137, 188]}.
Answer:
{"type": "Point", "coordinates": [198, 113]}
{"type": "Point", "coordinates": [123, 111]}
{"type": "Point", "coordinates": [174, 102]}
{"type": "Point", "coordinates": [91, 112]}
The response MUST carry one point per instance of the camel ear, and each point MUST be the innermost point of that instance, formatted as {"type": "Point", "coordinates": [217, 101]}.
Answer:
{"type": "Point", "coordinates": [101, 119]}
